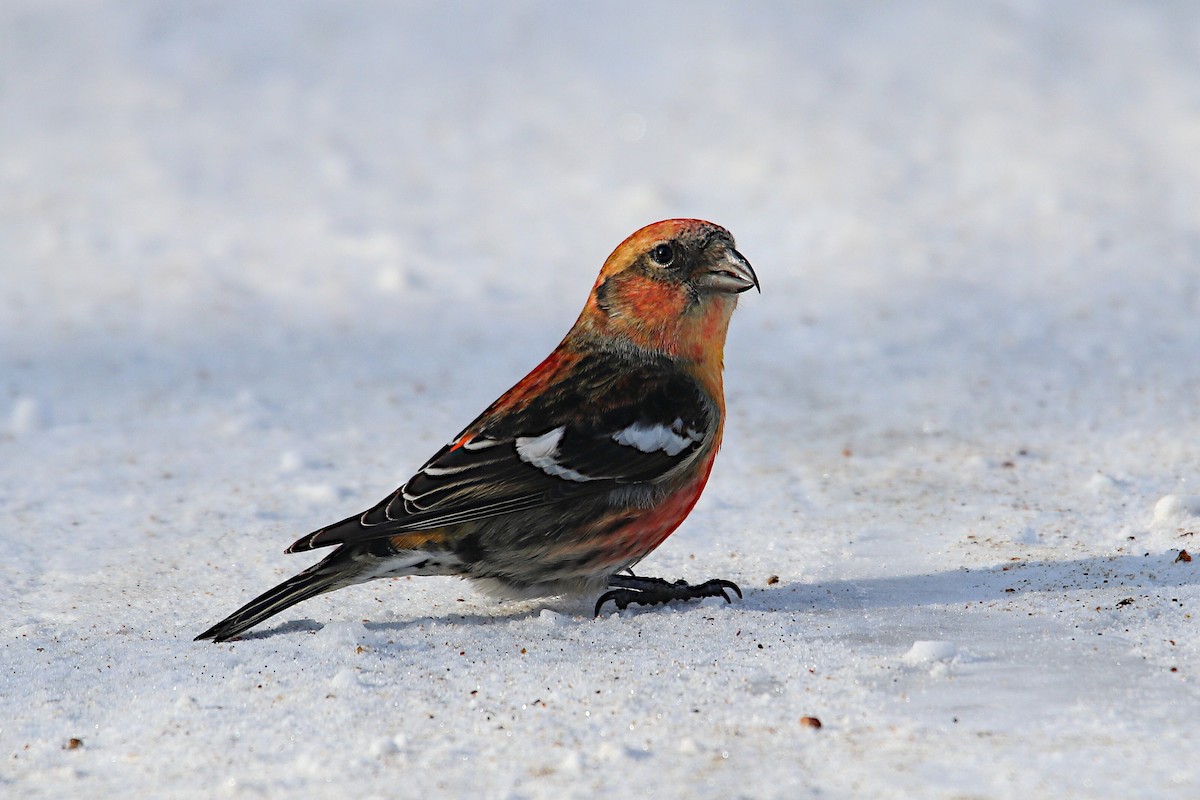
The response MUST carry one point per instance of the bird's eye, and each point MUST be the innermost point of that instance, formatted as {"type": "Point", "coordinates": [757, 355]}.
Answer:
{"type": "Point", "coordinates": [663, 254]}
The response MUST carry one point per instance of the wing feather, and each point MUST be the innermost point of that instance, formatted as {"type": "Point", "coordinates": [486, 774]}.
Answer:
{"type": "Point", "coordinates": [609, 424]}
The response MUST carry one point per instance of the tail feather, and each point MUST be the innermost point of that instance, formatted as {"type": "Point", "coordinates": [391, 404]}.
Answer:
{"type": "Point", "coordinates": [320, 578]}
{"type": "Point", "coordinates": [345, 566]}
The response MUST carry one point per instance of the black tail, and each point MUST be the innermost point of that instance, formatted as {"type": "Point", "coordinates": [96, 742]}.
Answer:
{"type": "Point", "coordinates": [324, 576]}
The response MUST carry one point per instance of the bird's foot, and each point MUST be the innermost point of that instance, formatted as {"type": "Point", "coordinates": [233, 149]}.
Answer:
{"type": "Point", "coordinates": [627, 589]}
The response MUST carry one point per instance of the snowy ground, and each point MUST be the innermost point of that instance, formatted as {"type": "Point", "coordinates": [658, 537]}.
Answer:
{"type": "Point", "coordinates": [259, 260]}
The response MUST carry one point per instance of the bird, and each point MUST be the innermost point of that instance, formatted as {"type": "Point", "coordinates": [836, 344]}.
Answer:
{"type": "Point", "coordinates": [575, 474]}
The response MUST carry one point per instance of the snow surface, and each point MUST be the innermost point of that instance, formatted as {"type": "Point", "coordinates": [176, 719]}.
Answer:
{"type": "Point", "coordinates": [260, 260]}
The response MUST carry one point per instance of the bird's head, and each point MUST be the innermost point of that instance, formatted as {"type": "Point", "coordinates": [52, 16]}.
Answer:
{"type": "Point", "coordinates": [671, 287]}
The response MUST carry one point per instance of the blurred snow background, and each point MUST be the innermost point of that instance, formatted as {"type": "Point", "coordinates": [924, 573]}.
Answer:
{"type": "Point", "coordinates": [258, 260]}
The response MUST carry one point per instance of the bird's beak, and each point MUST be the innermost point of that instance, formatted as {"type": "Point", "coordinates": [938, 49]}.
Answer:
{"type": "Point", "coordinates": [731, 273]}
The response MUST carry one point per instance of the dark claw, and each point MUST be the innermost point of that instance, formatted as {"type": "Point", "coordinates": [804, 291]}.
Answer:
{"type": "Point", "coordinates": [627, 589]}
{"type": "Point", "coordinates": [621, 599]}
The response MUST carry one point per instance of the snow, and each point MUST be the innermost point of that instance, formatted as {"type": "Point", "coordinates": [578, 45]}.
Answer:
{"type": "Point", "coordinates": [27, 416]}
{"type": "Point", "coordinates": [262, 260]}
{"type": "Point", "coordinates": [923, 652]}
{"type": "Point", "coordinates": [1177, 509]}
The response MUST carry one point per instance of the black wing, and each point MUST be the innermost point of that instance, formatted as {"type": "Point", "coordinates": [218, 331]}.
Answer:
{"type": "Point", "coordinates": [610, 425]}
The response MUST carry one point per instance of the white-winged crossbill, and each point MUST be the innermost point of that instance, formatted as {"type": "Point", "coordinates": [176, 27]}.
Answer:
{"type": "Point", "coordinates": [580, 470]}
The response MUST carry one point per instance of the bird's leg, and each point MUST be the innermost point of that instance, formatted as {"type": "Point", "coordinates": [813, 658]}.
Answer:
{"type": "Point", "coordinates": [626, 589]}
